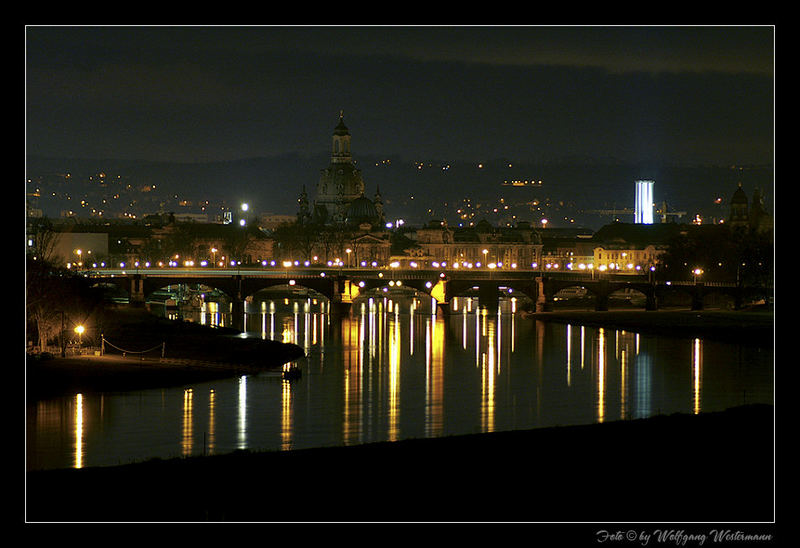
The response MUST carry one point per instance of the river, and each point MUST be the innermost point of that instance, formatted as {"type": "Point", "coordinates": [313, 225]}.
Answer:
{"type": "Point", "coordinates": [394, 369]}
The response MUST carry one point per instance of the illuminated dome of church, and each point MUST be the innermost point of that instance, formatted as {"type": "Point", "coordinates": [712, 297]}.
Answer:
{"type": "Point", "coordinates": [362, 210]}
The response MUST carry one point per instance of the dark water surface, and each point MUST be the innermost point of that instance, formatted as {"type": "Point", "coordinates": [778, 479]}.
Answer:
{"type": "Point", "coordinates": [394, 370]}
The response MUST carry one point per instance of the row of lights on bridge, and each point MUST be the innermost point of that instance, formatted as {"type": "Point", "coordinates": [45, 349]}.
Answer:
{"type": "Point", "coordinates": [394, 264]}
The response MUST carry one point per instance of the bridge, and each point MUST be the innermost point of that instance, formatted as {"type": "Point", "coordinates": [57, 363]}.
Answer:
{"type": "Point", "coordinates": [341, 285]}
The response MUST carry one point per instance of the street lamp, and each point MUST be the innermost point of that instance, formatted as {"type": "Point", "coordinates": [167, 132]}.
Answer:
{"type": "Point", "coordinates": [79, 329]}
{"type": "Point", "coordinates": [697, 272]}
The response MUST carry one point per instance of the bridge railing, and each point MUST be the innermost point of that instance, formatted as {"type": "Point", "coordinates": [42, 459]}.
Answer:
{"type": "Point", "coordinates": [388, 273]}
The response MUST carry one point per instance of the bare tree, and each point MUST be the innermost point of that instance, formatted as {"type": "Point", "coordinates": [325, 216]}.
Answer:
{"type": "Point", "coordinates": [43, 236]}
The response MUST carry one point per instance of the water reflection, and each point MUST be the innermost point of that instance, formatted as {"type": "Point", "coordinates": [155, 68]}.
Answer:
{"type": "Point", "coordinates": [392, 369]}
{"type": "Point", "coordinates": [187, 439]}
{"type": "Point", "coordinates": [286, 415]}
{"type": "Point", "coordinates": [697, 372]}
{"type": "Point", "coordinates": [78, 431]}
{"type": "Point", "coordinates": [241, 439]}
{"type": "Point", "coordinates": [210, 443]}
{"type": "Point", "coordinates": [434, 377]}
{"type": "Point", "coordinates": [644, 386]}
{"type": "Point", "coordinates": [601, 374]}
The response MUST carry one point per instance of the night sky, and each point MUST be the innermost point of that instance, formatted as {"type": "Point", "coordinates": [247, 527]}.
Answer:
{"type": "Point", "coordinates": [670, 94]}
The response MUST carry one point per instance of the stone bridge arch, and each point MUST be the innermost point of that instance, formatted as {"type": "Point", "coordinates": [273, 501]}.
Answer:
{"type": "Point", "coordinates": [601, 290]}
{"type": "Point", "coordinates": [324, 286]}
{"type": "Point", "coordinates": [421, 286]}
{"type": "Point", "coordinates": [489, 290]}
{"type": "Point", "coordinates": [153, 283]}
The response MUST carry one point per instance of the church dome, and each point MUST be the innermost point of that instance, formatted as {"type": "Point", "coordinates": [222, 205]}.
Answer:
{"type": "Point", "coordinates": [362, 210]}
{"type": "Point", "coordinates": [739, 197]}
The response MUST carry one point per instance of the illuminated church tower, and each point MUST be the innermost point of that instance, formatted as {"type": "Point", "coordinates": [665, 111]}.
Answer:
{"type": "Point", "coordinates": [340, 183]}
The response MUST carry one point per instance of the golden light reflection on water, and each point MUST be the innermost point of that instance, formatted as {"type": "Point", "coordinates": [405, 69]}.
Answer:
{"type": "Point", "coordinates": [601, 374]}
{"type": "Point", "coordinates": [211, 442]}
{"type": "Point", "coordinates": [393, 404]}
{"type": "Point", "coordinates": [583, 346]}
{"type": "Point", "coordinates": [286, 415]}
{"type": "Point", "coordinates": [490, 366]}
{"type": "Point", "coordinates": [697, 372]}
{"type": "Point", "coordinates": [353, 336]}
{"type": "Point", "coordinates": [623, 388]}
{"type": "Point", "coordinates": [78, 460]}
{"type": "Point", "coordinates": [434, 376]}
{"type": "Point", "coordinates": [187, 438]}
{"type": "Point", "coordinates": [569, 355]}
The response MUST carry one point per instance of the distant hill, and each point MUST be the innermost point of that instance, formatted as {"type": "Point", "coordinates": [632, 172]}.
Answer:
{"type": "Point", "coordinates": [419, 190]}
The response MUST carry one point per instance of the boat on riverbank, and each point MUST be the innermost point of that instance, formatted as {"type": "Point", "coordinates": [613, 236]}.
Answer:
{"type": "Point", "coordinates": [291, 372]}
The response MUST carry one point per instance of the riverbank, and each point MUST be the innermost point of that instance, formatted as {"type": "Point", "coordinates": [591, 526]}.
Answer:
{"type": "Point", "coordinates": [755, 326]}
{"type": "Point", "coordinates": [191, 353]}
{"type": "Point", "coordinates": [714, 467]}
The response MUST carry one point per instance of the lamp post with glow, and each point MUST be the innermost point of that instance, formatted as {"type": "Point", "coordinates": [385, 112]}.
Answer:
{"type": "Point", "coordinates": [79, 329]}
{"type": "Point", "coordinates": [697, 294]}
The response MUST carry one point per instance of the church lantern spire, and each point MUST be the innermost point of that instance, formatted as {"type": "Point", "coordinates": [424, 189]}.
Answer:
{"type": "Point", "coordinates": [340, 150]}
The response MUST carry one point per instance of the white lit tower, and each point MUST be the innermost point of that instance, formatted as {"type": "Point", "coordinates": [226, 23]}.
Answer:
{"type": "Point", "coordinates": [643, 212]}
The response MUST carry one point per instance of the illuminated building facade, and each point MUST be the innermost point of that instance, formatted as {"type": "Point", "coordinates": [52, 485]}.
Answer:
{"type": "Point", "coordinates": [633, 247]}
{"type": "Point", "coordinates": [482, 244]}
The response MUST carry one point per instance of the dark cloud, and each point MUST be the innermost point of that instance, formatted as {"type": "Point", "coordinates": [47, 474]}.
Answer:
{"type": "Point", "coordinates": [206, 93]}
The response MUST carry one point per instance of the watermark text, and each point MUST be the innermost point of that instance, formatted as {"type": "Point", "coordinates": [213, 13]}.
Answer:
{"type": "Point", "coordinates": [680, 537]}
